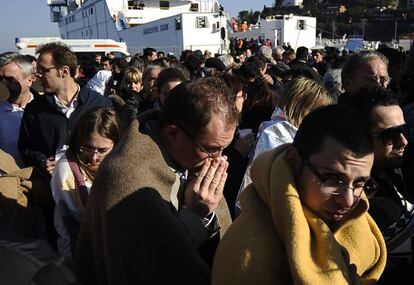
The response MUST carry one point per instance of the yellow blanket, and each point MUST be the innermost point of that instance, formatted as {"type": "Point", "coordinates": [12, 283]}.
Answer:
{"type": "Point", "coordinates": [277, 240]}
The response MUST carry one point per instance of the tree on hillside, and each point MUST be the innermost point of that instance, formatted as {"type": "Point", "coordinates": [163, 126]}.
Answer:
{"type": "Point", "coordinates": [249, 17]}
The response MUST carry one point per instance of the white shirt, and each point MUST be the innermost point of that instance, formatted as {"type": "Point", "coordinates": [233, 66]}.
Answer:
{"type": "Point", "coordinates": [271, 134]}
{"type": "Point", "coordinates": [10, 120]}
{"type": "Point", "coordinates": [68, 110]}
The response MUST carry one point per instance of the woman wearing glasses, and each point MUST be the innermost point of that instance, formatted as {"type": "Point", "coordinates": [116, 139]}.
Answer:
{"type": "Point", "coordinates": [94, 136]}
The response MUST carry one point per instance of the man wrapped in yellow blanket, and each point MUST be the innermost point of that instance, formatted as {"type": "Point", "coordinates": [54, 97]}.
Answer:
{"type": "Point", "coordinates": [304, 218]}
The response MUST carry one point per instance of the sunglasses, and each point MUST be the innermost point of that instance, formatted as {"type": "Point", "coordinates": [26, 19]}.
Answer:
{"type": "Point", "coordinates": [392, 135]}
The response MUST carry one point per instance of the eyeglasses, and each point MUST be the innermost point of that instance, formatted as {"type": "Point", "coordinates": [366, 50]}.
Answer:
{"type": "Point", "coordinates": [211, 154]}
{"type": "Point", "coordinates": [100, 152]}
{"type": "Point", "coordinates": [393, 135]}
{"type": "Point", "coordinates": [42, 70]}
{"type": "Point", "coordinates": [381, 80]}
{"type": "Point", "coordinates": [334, 185]}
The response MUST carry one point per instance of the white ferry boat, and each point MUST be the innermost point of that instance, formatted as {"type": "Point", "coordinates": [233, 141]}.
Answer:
{"type": "Point", "coordinates": [169, 26]}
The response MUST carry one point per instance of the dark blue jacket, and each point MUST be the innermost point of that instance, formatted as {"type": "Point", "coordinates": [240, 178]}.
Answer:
{"type": "Point", "coordinates": [44, 128]}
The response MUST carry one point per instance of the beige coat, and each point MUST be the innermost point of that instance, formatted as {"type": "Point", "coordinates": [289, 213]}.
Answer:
{"type": "Point", "coordinates": [130, 233]}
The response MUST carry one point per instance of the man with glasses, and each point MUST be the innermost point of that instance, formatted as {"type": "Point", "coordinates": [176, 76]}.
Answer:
{"type": "Point", "coordinates": [156, 210]}
{"type": "Point", "coordinates": [48, 119]}
{"type": "Point", "coordinates": [361, 68]}
{"type": "Point", "coordinates": [304, 218]}
{"type": "Point", "coordinates": [390, 202]}
{"type": "Point", "coordinates": [16, 73]}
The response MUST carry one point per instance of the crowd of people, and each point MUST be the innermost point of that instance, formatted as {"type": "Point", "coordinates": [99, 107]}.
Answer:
{"type": "Point", "coordinates": [267, 165]}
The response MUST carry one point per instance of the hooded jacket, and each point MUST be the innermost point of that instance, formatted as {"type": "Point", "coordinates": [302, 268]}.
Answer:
{"type": "Point", "coordinates": [277, 240]}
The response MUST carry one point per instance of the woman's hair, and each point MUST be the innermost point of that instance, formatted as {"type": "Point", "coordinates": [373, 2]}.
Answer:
{"type": "Point", "coordinates": [103, 121]}
{"type": "Point", "coordinates": [300, 97]}
{"type": "Point", "coordinates": [260, 94]}
{"type": "Point", "coordinates": [132, 74]}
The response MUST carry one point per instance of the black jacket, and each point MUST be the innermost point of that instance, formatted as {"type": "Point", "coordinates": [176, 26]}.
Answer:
{"type": "Point", "coordinates": [44, 128]}
{"type": "Point", "coordinates": [299, 68]}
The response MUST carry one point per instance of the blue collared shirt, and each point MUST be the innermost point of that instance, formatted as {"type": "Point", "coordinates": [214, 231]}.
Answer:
{"type": "Point", "coordinates": [10, 119]}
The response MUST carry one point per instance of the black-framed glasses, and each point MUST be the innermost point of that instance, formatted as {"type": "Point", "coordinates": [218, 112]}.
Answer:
{"type": "Point", "coordinates": [211, 153]}
{"type": "Point", "coordinates": [332, 184]}
{"type": "Point", "coordinates": [100, 152]}
{"type": "Point", "coordinates": [392, 135]}
{"type": "Point", "coordinates": [42, 70]}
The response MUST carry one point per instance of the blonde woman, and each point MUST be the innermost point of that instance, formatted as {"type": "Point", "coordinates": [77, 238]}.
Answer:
{"type": "Point", "coordinates": [131, 83]}
{"type": "Point", "coordinates": [299, 98]}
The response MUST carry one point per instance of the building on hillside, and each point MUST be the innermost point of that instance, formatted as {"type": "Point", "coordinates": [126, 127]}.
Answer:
{"type": "Point", "coordinates": [409, 4]}
{"type": "Point", "coordinates": [287, 3]}
{"type": "Point", "coordinates": [280, 29]}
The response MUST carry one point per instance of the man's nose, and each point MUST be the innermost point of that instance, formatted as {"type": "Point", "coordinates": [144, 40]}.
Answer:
{"type": "Point", "coordinates": [346, 198]}
{"type": "Point", "coordinates": [402, 141]}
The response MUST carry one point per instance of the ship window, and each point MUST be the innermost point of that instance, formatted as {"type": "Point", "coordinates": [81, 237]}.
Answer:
{"type": "Point", "coordinates": [86, 32]}
{"type": "Point", "coordinates": [194, 7]}
{"type": "Point", "coordinates": [301, 25]}
{"type": "Point", "coordinates": [164, 5]}
{"type": "Point", "coordinates": [73, 18]}
{"type": "Point", "coordinates": [134, 5]}
{"type": "Point", "coordinates": [91, 12]}
{"type": "Point", "coordinates": [178, 23]}
{"type": "Point", "coordinates": [201, 22]}
{"type": "Point", "coordinates": [91, 32]}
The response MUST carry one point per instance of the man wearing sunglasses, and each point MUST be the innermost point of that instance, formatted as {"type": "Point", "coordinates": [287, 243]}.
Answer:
{"type": "Point", "coordinates": [304, 218]}
{"type": "Point", "coordinates": [16, 74]}
{"type": "Point", "coordinates": [159, 211]}
{"type": "Point", "coordinates": [389, 203]}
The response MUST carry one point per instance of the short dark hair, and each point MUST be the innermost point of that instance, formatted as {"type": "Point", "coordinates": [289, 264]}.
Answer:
{"type": "Point", "coordinates": [61, 54]}
{"type": "Point", "coordinates": [192, 104]}
{"type": "Point", "coordinates": [170, 74]}
{"type": "Point", "coordinates": [259, 61]}
{"type": "Point", "coordinates": [105, 58]}
{"type": "Point", "coordinates": [337, 122]}
{"type": "Point", "coordinates": [302, 53]}
{"type": "Point", "coordinates": [371, 96]}
{"type": "Point", "coordinates": [234, 83]}
{"type": "Point", "coordinates": [148, 51]}
{"type": "Point", "coordinates": [104, 121]}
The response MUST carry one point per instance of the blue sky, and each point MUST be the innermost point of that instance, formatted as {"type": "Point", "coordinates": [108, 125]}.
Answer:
{"type": "Point", "coordinates": [30, 18]}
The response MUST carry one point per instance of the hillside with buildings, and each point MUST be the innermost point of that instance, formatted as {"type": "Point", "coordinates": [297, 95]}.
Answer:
{"type": "Point", "coordinates": [381, 20]}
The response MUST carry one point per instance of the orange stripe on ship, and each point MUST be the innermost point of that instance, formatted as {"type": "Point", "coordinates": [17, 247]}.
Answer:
{"type": "Point", "coordinates": [106, 46]}
{"type": "Point", "coordinates": [32, 46]}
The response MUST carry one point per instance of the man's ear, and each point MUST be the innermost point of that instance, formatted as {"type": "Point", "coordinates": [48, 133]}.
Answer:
{"type": "Point", "coordinates": [171, 133]}
{"type": "Point", "coordinates": [64, 71]}
{"type": "Point", "coordinates": [293, 158]}
{"type": "Point", "coordinates": [29, 80]}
